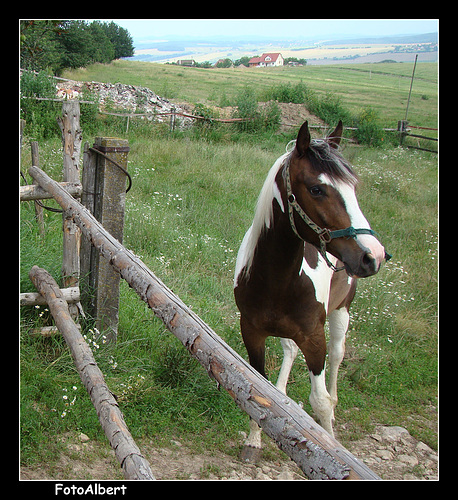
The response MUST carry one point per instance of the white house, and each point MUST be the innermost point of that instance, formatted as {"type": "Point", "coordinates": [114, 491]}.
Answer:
{"type": "Point", "coordinates": [269, 59]}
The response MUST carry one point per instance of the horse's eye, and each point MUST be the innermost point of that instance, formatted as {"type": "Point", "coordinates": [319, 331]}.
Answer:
{"type": "Point", "coordinates": [316, 191]}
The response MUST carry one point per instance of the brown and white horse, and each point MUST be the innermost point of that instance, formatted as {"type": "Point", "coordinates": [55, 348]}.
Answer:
{"type": "Point", "coordinates": [307, 226]}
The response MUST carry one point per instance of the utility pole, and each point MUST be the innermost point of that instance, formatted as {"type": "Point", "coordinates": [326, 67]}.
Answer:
{"type": "Point", "coordinates": [411, 83]}
{"type": "Point", "coordinates": [402, 124]}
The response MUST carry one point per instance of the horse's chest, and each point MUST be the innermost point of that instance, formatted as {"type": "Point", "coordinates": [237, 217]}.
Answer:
{"type": "Point", "coordinates": [279, 309]}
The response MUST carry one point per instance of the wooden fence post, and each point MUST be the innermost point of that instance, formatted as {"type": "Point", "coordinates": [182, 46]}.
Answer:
{"type": "Point", "coordinates": [38, 208]}
{"type": "Point", "coordinates": [104, 194]}
{"type": "Point", "coordinates": [69, 125]}
{"type": "Point", "coordinates": [88, 252]}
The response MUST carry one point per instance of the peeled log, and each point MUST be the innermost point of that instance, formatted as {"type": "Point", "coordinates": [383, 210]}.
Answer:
{"type": "Point", "coordinates": [134, 465]}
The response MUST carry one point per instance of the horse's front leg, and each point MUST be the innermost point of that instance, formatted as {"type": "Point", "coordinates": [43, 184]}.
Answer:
{"type": "Point", "coordinates": [255, 342]}
{"type": "Point", "coordinates": [338, 326]}
{"type": "Point", "coordinates": [313, 346]}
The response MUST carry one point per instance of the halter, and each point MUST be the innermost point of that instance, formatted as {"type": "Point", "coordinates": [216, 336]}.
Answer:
{"type": "Point", "coordinates": [325, 235]}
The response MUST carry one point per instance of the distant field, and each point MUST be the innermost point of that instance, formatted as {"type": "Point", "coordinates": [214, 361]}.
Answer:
{"type": "Point", "coordinates": [383, 86]}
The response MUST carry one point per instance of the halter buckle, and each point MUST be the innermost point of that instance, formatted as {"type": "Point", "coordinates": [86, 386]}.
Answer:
{"type": "Point", "coordinates": [325, 236]}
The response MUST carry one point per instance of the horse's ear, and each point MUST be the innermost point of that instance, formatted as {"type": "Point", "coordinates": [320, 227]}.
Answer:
{"type": "Point", "coordinates": [303, 139]}
{"type": "Point", "coordinates": [334, 137]}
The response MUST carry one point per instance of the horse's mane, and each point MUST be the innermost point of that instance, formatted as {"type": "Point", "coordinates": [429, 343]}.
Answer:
{"type": "Point", "coordinates": [327, 160]}
{"type": "Point", "coordinates": [262, 218]}
{"type": "Point", "coordinates": [324, 159]}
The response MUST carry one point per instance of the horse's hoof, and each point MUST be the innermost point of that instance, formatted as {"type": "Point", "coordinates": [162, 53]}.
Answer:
{"type": "Point", "coordinates": [250, 454]}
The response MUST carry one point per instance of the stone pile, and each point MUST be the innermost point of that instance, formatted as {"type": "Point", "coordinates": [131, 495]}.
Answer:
{"type": "Point", "coordinates": [123, 98]}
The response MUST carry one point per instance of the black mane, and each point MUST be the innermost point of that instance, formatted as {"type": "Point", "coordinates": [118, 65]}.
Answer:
{"type": "Point", "coordinates": [327, 160]}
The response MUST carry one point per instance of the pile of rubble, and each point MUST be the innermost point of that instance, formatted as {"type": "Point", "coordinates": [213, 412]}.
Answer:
{"type": "Point", "coordinates": [117, 96]}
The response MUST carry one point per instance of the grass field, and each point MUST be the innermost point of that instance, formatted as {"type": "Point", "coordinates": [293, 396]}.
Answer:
{"type": "Point", "coordinates": [191, 202]}
{"type": "Point", "coordinates": [385, 87]}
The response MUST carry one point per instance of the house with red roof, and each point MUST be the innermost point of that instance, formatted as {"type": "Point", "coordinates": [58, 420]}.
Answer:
{"type": "Point", "coordinates": [269, 59]}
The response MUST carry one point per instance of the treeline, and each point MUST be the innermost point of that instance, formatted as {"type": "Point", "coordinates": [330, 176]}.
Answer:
{"type": "Point", "coordinates": [53, 45]}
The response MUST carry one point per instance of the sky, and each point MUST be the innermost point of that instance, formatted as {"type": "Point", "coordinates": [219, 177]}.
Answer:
{"type": "Point", "coordinates": [288, 28]}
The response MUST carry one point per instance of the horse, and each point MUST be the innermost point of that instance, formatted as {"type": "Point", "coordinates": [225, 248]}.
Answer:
{"type": "Point", "coordinates": [307, 228]}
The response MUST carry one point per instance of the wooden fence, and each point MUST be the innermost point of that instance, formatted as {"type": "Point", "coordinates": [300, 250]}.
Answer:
{"type": "Point", "coordinates": [404, 129]}
{"type": "Point", "coordinates": [318, 454]}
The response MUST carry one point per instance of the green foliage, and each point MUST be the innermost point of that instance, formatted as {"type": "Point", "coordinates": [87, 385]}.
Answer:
{"type": "Point", "coordinates": [286, 92]}
{"type": "Point", "coordinates": [205, 112]}
{"type": "Point", "coordinates": [71, 44]}
{"type": "Point", "coordinates": [258, 119]}
{"type": "Point", "coordinates": [369, 130]}
{"type": "Point", "coordinates": [40, 116]}
{"type": "Point", "coordinates": [330, 108]}
{"type": "Point", "coordinates": [224, 63]}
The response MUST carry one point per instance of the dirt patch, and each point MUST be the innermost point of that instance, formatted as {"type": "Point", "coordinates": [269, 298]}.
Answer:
{"type": "Point", "coordinates": [95, 460]}
{"type": "Point", "coordinates": [294, 115]}
{"type": "Point", "coordinates": [391, 452]}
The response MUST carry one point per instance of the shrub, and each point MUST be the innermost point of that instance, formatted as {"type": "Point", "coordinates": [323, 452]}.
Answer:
{"type": "Point", "coordinates": [285, 92]}
{"type": "Point", "coordinates": [247, 107]}
{"type": "Point", "coordinates": [271, 116]}
{"type": "Point", "coordinates": [369, 131]}
{"type": "Point", "coordinates": [40, 116]}
{"type": "Point", "coordinates": [329, 108]}
{"type": "Point", "coordinates": [258, 119]}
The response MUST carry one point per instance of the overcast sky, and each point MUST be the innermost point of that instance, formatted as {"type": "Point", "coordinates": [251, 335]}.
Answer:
{"type": "Point", "coordinates": [289, 28]}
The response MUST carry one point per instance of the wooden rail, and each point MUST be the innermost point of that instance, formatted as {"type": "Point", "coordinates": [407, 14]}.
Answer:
{"type": "Point", "coordinates": [134, 465]}
{"type": "Point", "coordinates": [318, 454]}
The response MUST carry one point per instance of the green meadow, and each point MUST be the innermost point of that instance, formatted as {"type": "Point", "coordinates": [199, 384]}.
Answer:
{"type": "Point", "coordinates": [383, 86]}
{"type": "Point", "coordinates": [192, 199]}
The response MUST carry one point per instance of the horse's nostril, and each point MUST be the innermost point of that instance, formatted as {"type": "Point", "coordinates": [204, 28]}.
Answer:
{"type": "Point", "coordinates": [368, 259]}
{"type": "Point", "coordinates": [368, 262]}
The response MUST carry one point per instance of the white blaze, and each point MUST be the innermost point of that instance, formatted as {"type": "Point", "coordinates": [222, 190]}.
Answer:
{"type": "Point", "coordinates": [357, 219]}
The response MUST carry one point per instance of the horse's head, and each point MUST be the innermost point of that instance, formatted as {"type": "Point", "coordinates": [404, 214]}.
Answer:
{"type": "Point", "coordinates": [322, 204]}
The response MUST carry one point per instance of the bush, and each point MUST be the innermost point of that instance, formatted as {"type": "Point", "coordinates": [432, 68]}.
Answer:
{"type": "Point", "coordinates": [369, 131]}
{"type": "Point", "coordinates": [258, 119]}
{"type": "Point", "coordinates": [285, 92]}
{"type": "Point", "coordinates": [271, 116]}
{"type": "Point", "coordinates": [40, 116]}
{"type": "Point", "coordinates": [329, 108]}
{"type": "Point", "coordinates": [206, 113]}
{"type": "Point", "coordinates": [247, 108]}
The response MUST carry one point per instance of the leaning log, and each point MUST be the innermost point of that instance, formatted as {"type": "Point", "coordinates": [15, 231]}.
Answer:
{"type": "Point", "coordinates": [318, 454]}
{"type": "Point", "coordinates": [134, 465]}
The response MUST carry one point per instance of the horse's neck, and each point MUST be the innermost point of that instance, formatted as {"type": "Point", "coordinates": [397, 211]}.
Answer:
{"type": "Point", "coordinates": [279, 253]}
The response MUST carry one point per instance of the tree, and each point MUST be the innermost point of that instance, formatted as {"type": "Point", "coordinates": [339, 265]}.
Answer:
{"type": "Point", "coordinates": [78, 45]}
{"type": "Point", "coordinates": [55, 45]}
{"type": "Point", "coordinates": [40, 48]}
{"type": "Point", "coordinates": [120, 38]}
{"type": "Point", "coordinates": [103, 49]}
{"type": "Point", "coordinates": [224, 63]}
{"type": "Point", "coordinates": [243, 60]}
